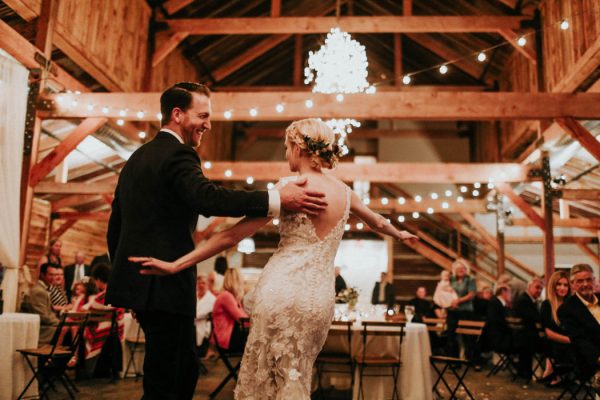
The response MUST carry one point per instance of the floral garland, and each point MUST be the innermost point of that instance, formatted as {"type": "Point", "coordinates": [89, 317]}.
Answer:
{"type": "Point", "coordinates": [320, 148]}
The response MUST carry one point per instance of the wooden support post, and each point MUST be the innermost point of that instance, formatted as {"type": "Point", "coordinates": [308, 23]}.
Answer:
{"type": "Point", "coordinates": [500, 240]}
{"type": "Point", "coordinates": [298, 60]}
{"type": "Point", "coordinates": [407, 7]}
{"type": "Point", "coordinates": [548, 217]}
{"type": "Point", "coordinates": [275, 8]}
{"type": "Point", "coordinates": [397, 59]}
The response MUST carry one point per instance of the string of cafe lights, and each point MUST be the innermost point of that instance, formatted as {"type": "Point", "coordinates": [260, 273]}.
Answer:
{"type": "Point", "coordinates": [442, 68]}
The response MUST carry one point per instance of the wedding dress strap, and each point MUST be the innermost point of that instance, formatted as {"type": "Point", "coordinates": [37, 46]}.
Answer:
{"type": "Point", "coordinates": [348, 199]}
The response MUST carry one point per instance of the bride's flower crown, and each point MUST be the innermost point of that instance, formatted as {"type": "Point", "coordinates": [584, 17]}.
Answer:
{"type": "Point", "coordinates": [321, 148]}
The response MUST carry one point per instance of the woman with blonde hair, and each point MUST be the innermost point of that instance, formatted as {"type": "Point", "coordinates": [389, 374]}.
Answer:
{"type": "Point", "coordinates": [557, 290]}
{"type": "Point", "coordinates": [228, 311]}
{"type": "Point", "coordinates": [294, 299]}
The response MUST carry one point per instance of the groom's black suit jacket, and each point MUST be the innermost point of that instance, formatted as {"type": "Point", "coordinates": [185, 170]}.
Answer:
{"type": "Point", "coordinates": [161, 192]}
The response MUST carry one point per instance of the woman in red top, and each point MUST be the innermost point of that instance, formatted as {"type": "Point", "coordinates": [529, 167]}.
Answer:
{"type": "Point", "coordinates": [227, 312]}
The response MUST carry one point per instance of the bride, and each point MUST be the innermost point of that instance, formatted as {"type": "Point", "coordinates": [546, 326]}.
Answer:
{"type": "Point", "coordinates": [294, 299]}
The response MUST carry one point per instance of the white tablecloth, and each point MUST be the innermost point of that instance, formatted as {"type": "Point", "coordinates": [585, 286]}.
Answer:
{"type": "Point", "coordinates": [414, 382]}
{"type": "Point", "coordinates": [130, 332]}
{"type": "Point", "coordinates": [17, 331]}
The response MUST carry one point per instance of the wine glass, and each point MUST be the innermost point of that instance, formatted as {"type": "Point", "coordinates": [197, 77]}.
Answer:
{"type": "Point", "coordinates": [409, 312]}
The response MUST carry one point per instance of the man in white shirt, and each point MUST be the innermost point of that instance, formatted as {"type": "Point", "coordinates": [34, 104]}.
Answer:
{"type": "Point", "coordinates": [204, 306]}
{"type": "Point", "coordinates": [76, 272]}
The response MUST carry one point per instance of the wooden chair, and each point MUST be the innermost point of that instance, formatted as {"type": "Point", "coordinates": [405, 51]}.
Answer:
{"type": "Point", "coordinates": [135, 344]}
{"type": "Point", "coordinates": [52, 359]}
{"type": "Point", "coordinates": [437, 329]}
{"type": "Point", "coordinates": [225, 355]}
{"type": "Point", "coordinates": [337, 362]}
{"type": "Point", "coordinates": [465, 327]}
{"type": "Point", "coordinates": [364, 361]}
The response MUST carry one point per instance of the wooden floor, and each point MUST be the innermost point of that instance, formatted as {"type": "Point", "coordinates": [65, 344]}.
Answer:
{"type": "Point", "coordinates": [497, 388]}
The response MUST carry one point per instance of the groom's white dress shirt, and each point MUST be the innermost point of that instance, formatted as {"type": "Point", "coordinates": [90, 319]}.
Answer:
{"type": "Point", "coordinates": [274, 199]}
{"type": "Point", "coordinates": [78, 274]}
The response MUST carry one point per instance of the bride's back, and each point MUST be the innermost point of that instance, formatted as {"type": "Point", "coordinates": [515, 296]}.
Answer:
{"type": "Point", "coordinates": [335, 195]}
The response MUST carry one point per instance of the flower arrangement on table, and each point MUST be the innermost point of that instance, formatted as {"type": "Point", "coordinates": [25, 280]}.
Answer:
{"type": "Point", "coordinates": [348, 296]}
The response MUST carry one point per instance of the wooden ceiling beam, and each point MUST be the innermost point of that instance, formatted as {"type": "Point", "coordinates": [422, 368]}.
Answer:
{"type": "Point", "coordinates": [360, 133]}
{"type": "Point", "coordinates": [557, 239]}
{"type": "Point", "coordinates": [75, 188]}
{"type": "Point", "coordinates": [582, 135]}
{"type": "Point", "coordinates": [580, 194]}
{"type": "Point", "coordinates": [64, 227]}
{"type": "Point", "coordinates": [167, 47]}
{"type": "Point", "coordinates": [358, 24]}
{"type": "Point", "coordinates": [60, 152]}
{"type": "Point", "coordinates": [308, 89]}
{"type": "Point", "coordinates": [172, 6]}
{"type": "Point", "coordinates": [409, 205]}
{"type": "Point", "coordinates": [583, 223]}
{"type": "Point", "coordinates": [384, 105]}
{"type": "Point", "coordinates": [275, 8]}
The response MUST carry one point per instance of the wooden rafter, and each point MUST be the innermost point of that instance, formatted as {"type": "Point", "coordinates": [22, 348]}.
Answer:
{"type": "Point", "coordinates": [275, 8]}
{"type": "Point", "coordinates": [60, 152]}
{"type": "Point", "coordinates": [167, 47]}
{"type": "Point", "coordinates": [584, 223]}
{"type": "Point", "coordinates": [360, 133]}
{"type": "Point", "coordinates": [65, 226]}
{"type": "Point", "coordinates": [73, 200]}
{"type": "Point", "coordinates": [521, 204]}
{"type": "Point", "coordinates": [557, 239]}
{"type": "Point", "coordinates": [580, 194]}
{"type": "Point", "coordinates": [172, 6]}
{"type": "Point", "coordinates": [438, 206]}
{"type": "Point", "coordinates": [74, 188]}
{"type": "Point", "coordinates": [359, 24]}
{"type": "Point", "coordinates": [384, 105]}
{"type": "Point", "coordinates": [582, 135]}
{"type": "Point", "coordinates": [90, 216]}
{"type": "Point", "coordinates": [588, 252]}
{"type": "Point", "coordinates": [528, 50]}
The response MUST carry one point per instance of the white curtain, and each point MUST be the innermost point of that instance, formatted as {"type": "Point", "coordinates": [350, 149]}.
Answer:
{"type": "Point", "coordinates": [13, 107]}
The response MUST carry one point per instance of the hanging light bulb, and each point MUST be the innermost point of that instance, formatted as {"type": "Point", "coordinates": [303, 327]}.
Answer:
{"type": "Point", "coordinates": [104, 110]}
{"type": "Point", "coordinates": [270, 186]}
{"type": "Point", "coordinates": [463, 189]}
{"type": "Point", "coordinates": [308, 103]}
{"type": "Point", "coordinates": [279, 108]}
{"type": "Point", "coordinates": [418, 198]}
{"type": "Point", "coordinates": [443, 69]}
{"type": "Point", "coordinates": [159, 116]}
{"type": "Point", "coordinates": [481, 57]}
{"type": "Point", "coordinates": [430, 210]}
{"type": "Point", "coordinates": [384, 201]}
{"type": "Point", "coordinates": [346, 227]}
{"type": "Point", "coordinates": [459, 199]}
{"type": "Point", "coordinates": [359, 226]}
{"type": "Point", "coordinates": [522, 41]}
{"type": "Point", "coordinates": [275, 221]}
{"type": "Point", "coordinates": [253, 112]}
{"type": "Point", "coordinates": [415, 214]}
{"type": "Point", "coordinates": [122, 113]}
{"type": "Point", "coordinates": [228, 173]}
{"type": "Point", "coordinates": [564, 24]}
{"type": "Point", "coordinates": [120, 122]}
{"type": "Point", "coordinates": [448, 193]}
{"type": "Point", "coordinates": [339, 97]}
{"type": "Point", "coordinates": [366, 201]}
{"type": "Point", "coordinates": [445, 205]}
{"type": "Point", "coordinates": [434, 196]}
{"type": "Point", "coordinates": [207, 164]}
{"type": "Point", "coordinates": [406, 79]}
{"type": "Point", "coordinates": [142, 134]}
{"type": "Point", "coordinates": [401, 218]}
{"type": "Point", "coordinates": [401, 200]}
{"type": "Point", "coordinates": [250, 180]}
{"type": "Point", "coordinates": [475, 193]}
{"type": "Point", "coordinates": [227, 114]}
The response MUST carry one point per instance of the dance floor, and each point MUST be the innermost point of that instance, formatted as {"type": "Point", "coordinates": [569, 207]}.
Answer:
{"type": "Point", "coordinates": [495, 388]}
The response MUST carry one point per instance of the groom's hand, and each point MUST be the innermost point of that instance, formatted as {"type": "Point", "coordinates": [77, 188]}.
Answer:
{"type": "Point", "coordinates": [295, 198]}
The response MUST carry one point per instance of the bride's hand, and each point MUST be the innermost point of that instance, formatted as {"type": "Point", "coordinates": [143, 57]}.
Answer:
{"type": "Point", "coordinates": [154, 266]}
{"type": "Point", "coordinates": [407, 236]}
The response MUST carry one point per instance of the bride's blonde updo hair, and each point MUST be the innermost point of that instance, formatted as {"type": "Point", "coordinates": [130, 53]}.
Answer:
{"type": "Point", "coordinates": [316, 139]}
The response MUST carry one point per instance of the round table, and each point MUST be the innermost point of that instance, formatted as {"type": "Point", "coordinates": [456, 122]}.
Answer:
{"type": "Point", "coordinates": [414, 381]}
{"type": "Point", "coordinates": [17, 331]}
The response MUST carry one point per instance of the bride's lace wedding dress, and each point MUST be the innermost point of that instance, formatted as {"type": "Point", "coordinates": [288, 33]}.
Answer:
{"type": "Point", "coordinates": [293, 305]}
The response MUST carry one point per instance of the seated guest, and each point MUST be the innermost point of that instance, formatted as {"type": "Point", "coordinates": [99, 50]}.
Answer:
{"type": "Point", "coordinates": [204, 306]}
{"type": "Point", "coordinates": [227, 312]}
{"type": "Point", "coordinates": [579, 316]}
{"type": "Point", "coordinates": [423, 307]}
{"type": "Point", "coordinates": [340, 283]}
{"type": "Point", "coordinates": [37, 301]}
{"type": "Point", "coordinates": [102, 343]}
{"type": "Point", "coordinates": [481, 302]}
{"type": "Point", "coordinates": [529, 341]}
{"type": "Point", "coordinates": [517, 286]}
{"type": "Point", "coordinates": [76, 272]}
{"type": "Point", "coordinates": [557, 291]}
{"type": "Point", "coordinates": [58, 297]}
{"type": "Point", "coordinates": [383, 292]}
{"type": "Point", "coordinates": [497, 334]}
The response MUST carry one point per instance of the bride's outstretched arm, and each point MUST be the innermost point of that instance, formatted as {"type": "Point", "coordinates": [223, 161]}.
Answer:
{"type": "Point", "coordinates": [377, 222]}
{"type": "Point", "coordinates": [216, 244]}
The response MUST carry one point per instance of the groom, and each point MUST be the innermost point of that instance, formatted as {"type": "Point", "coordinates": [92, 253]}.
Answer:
{"type": "Point", "coordinates": [161, 192]}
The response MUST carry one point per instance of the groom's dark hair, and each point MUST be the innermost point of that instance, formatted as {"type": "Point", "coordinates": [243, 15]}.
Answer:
{"type": "Point", "coordinates": [179, 95]}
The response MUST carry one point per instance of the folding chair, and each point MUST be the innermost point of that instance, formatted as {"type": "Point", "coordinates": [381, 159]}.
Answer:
{"type": "Point", "coordinates": [575, 385]}
{"type": "Point", "coordinates": [340, 362]}
{"type": "Point", "coordinates": [437, 329]}
{"type": "Point", "coordinates": [135, 345]}
{"type": "Point", "coordinates": [393, 362]}
{"type": "Point", "coordinates": [52, 358]}
{"type": "Point", "coordinates": [539, 356]}
{"type": "Point", "coordinates": [506, 360]}
{"type": "Point", "coordinates": [465, 327]}
{"type": "Point", "coordinates": [225, 355]}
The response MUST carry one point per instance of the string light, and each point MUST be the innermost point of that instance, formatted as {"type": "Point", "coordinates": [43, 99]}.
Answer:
{"type": "Point", "coordinates": [463, 189]}
{"type": "Point", "coordinates": [228, 173]}
{"type": "Point", "coordinates": [384, 201]}
{"type": "Point", "coordinates": [445, 205]}
{"type": "Point", "coordinates": [406, 79]}
{"type": "Point", "coordinates": [564, 24]}
{"type": "Point", "coordinates": [366, 201]}
{"type": "Point", "coordinates": [253, 112]}
{"type": "Point", "coordinates": [90, 107]}
{"type": "Point", "coordinates": [122, 113]}
{"type": "Point", "coordinates": [401, 218]}
{"type": "Point", "coordinates": [475, 193]}
{"type": "Point", "coordinates": [434, 196]}
{"type": "Point", "coordinates": [430, 210]}
{"type": "Point", "coordinates": [443, 69]}
{"type": "Point", "coordinates": [279, 108]}
{"type": "Point", "coordinates": [459, 199]}
{"type": "Point", "coordinates": [250, 180]}
{"type": "Point", "coordinates": [120, 122]}
{"type": "Point", "coordinates": [477, 185]}
{"type": "Point", "coordinates": [308, 103]}
{"type": "Point", "coordinates": [415, 214]}
{"type": "Point", "coordinates": [481, 57]}
{"type": "Point", "coordinates": [142, 134]}
{"type": "Point", "coordinates": [346, 227]}
{"type": "Point", "coordinates": [401, 200]}
{"type": "Point", "coordinates": [339, 97]}
{"type": "Point", "coordinates": [104, 110]}
{"type": "Point", "coordinates": [276, 221]}
{"type": "Point", "coordinates": [270, 186]}
{"type": "Point", "coordinates": [207, 164]}
{"type": "Point", "coordinates": [140, 114]}
{"type": "Point", "coordinates": [359, 226]}
{"type": "Point", "coordinates": [448, 193]}
{"type": "Point", "coordinates": [159, 116]}
{"type": "Point", "coordinates": [418, 198]}
{"type": "Point", "coordinates": [522, 41]}
{"type": "Point", "coordinates": [490, 185]}
{"type": "Point", "coordinates": [227, 114]}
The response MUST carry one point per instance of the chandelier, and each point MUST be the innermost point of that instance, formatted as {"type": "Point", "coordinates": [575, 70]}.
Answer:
{"type": "Point", "coordinates": [339, 66]}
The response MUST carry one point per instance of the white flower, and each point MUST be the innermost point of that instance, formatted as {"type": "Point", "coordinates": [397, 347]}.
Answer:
{"type": "Point", "coordinates": [294, 374]}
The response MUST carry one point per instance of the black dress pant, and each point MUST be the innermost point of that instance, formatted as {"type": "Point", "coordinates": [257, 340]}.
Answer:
{"type": "Point", "coordinates": [170, 363]}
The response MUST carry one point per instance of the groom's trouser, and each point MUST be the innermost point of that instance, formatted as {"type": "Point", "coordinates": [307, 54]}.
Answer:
{"type": "Point", "coordinates": [170, 362]}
